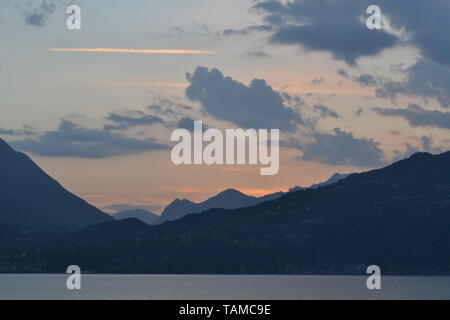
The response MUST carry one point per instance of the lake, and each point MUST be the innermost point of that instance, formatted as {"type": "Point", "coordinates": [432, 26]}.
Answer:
{"type": "Point", "coordinates": [221, 287]}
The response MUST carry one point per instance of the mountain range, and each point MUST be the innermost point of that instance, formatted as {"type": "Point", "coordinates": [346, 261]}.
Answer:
{"type": "Point", "coordinates": [397, 217]}
{"type": "Point", "coordinates": [227, 199]}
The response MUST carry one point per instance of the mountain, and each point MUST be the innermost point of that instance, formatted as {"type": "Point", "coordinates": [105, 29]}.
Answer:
{"type": "Point", "coordinates": [29, 197]}
{"type": "Point", "coordinates": [333, 179]}
{"type": "Point", "coordinates": [228, 199]}
{"type": "Point", "coordinates": [396, 217]}
{"type": "Point", "coordinates": [140, 214]}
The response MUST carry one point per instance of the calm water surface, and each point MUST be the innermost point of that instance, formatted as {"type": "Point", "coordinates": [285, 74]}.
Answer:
{"type": "Point", "coordinates": [192, 287]}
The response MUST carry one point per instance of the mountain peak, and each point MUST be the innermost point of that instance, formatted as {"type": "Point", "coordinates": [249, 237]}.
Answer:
{"type": "Point", "coordinates": [227, 195]}
{"type": "Point", "coordinates": [420, 155]}
{"type": "Point", "coordinates": [47, 203]}
{"type": "Point", "coordinates": [230, 192]}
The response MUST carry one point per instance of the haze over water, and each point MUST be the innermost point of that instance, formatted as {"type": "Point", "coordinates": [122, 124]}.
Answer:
{"type": "Point", "coordinates": [221, 287]}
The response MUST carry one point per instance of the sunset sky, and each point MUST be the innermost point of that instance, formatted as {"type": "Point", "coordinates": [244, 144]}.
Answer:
{"type": "Point", "coordinates": [95, 107]}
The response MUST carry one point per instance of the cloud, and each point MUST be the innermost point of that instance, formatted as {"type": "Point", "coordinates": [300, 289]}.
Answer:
{"type": "Point", "coordinates": [71, 140]}
{"type": "Point", "coordinates": [338, 26]}
{"type": "Point", "coordinates": [424, 79]}
{"type": "Point", "coordinates": [418, 117]}
{"type": "Point", "coordinates": [426, 24]}
{"type": "Point", "coordinates": [343, 73]}
{"type": "Point", "coordinates": [188, 124]}
{"type": "Point", "coordinates": [342, 148]}
{"type": "Point", "coordinates": [328, 26]}
{"type": "Point", "coordinates": [365, 80]}
{"type": "Point", "coordinates": [317, 81]}
{"type": "Point", "coordinates": [247, 30]}
{"type": "Point", "coordinates": [126, 122]}
{"type": "Point", "coordinates": [359, 112]}
{"type": "Point", "coordinates": [259, 106]}
{"type": "Point", "coordinates": [255, 105]}
{"type": "Point", "coordinates": [39, 15]}
{"type": "Point", "coordinates": [325, 112]}
{"type": "Point", "coordinates": [256, 53]}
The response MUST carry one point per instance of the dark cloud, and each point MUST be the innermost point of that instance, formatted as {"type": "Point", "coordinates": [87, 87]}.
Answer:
{"type": "Point", "coordinates": [71, 140]}
{"type": "Point", "coordinates": [338, 26]}
{"type": "Point", "coordinates": [168, 108]}
{"type": "Point", "coordinates": [329, 26]}
{"type": "Point", "coordinates": [254, 106]}
{"type": "Point", "coordinates": [188, 124]}
{"type": "Point", "coordinates": [39, 15]}
{"type": "Point", "coordinates": [342, 148]}
{"type": "Point", "coordinates": [343, 73]}
{"type": "Point", "coordinates": [195, 30]}
{"type": "Point", "coordinates": [259, 106]}
{"type": "Point", "coordinates": [126, 122]}
{"type": "Point", "coordinates": [247, 30]}
{"type": "Point", "coordinates": [325, 112]}
{"type": "Point", "coordinates": [359, 112]}
{"type": "Point", "coordinates": [365, 80]}
{"type": "Point", "coordinates": [347, 43]}
{"type": "Point", "coordinates": [426, 24]}
{"type": "Point", "coordinates": [418, 117]}
{"type": "Point", "coordinates": [424, 79]}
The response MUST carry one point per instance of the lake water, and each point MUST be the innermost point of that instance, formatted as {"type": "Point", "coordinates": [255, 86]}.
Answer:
{"type": "Point", "coordinates": [193, 287]}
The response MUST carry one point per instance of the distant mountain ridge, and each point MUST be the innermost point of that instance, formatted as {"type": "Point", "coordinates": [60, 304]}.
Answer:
{"type": "Point", "coordinates": [140, 214]}
{"type": "Point", "coordinates": [227, 199]}
{"type": "Point", "coordinates": [30, 197]}
{"type": "Point", "coordinates": [333, 179]}
{"type": "Point", "coordinates": [397, 217]}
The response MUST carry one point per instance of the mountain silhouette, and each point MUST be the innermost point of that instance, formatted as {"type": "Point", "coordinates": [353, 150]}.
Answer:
{"type": "Point", "coordinates": [333, 179]}
{"type": "Point", "coordinates": [228, 199]}
{"type": "Point", "coordinates": [397, 217]}
{"type": "Point", "coordinates": [29, 197]}
{"type": "Point", "coordinates": [140, 214]}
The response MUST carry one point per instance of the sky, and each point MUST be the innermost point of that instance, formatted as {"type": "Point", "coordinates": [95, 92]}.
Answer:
{"type": "Point", "coordinates": [95, 108]}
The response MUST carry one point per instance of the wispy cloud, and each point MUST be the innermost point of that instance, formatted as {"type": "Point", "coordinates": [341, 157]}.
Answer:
{"type": "Point", "coordinates": [141, 51]}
